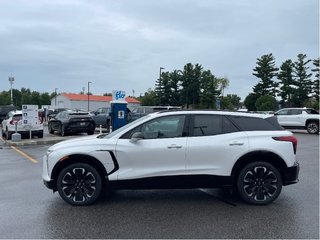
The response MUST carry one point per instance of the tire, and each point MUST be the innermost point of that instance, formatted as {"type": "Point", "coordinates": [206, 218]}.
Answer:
{"type": "Point", "coordinates": [50, 130]}
{"type": "Point", "coordinates": [91, 129]}
{"type": "Point", "coordinates": [62, 131]}
{"type": "Point", "coordinates": [8, 135]}
{"type": "Point", "coordinates": [313, 127]}
{"type": "Point", "coordinates": [259, 183]}
{"type": "Point", "coordinates": [40, 135]}
{"type": "Point", "coordinates": [79, 184]}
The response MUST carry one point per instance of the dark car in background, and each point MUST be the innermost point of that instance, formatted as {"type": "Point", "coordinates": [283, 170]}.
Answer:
{"type": "Point", "coordinates": [71, 121]}
{"type": "Point", "coordinates": [53, 113]}
{"type": "Point", "coordinates": [102, 117]}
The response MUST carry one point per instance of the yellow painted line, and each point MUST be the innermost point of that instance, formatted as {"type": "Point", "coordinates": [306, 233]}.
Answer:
{"type": "Point", "coordinates": [2, 139]}
{"type": "Point", "coordinates": [24, 154]}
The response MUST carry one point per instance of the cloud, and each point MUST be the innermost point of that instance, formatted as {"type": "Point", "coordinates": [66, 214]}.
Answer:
{"type": "Point", "coordinates": [121, 44]}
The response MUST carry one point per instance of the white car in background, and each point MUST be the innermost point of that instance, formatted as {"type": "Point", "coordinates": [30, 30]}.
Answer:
{"type": "Point", "coordinates": [299, 118]}
{"type": "Point", "coordinates": [177, 149]}
{"type": "Point", "coordinates": [13, 120]}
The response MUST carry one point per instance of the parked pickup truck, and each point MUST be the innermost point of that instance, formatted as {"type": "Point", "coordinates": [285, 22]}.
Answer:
{"type": "Point", "coordinates": [299, 118]}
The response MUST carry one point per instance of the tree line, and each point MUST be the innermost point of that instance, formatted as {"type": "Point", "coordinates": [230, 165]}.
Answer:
{"type": "Point", "coordinates": [25, 96]}
{"type": "Point", "coordinates": [191, 87]}
{"type": "Point", "coordinates": [295, 83]}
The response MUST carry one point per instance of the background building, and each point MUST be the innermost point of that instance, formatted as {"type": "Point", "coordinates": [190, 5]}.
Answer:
{"type": "Point", "coordinates": [80, 101]}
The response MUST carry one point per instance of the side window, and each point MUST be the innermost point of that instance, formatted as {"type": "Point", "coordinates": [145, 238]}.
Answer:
{"type": "Point", "coordinates": [295, 111]}
{"type": "Point", "coordinates": [253, 124]}
{"type": "Point", "coordinates": [164, 127]}
{"type": "Point", "coordinates": [228, 126]}
{"type": "Point", "coordinates": [283, 112]}
{"type": "Point", "coordinates": [206, 125]}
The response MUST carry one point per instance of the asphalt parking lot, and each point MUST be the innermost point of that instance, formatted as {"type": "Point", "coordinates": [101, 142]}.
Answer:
{"type": "Point", "coordinates": [29, 210]}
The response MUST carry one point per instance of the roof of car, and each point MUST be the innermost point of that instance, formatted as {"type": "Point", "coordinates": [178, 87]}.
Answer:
{"type": "Point", "coordinates": [244, 114]}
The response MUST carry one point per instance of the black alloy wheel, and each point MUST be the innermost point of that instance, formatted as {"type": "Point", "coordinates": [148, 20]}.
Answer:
{"type": "Point", "coordinates": [79, 184]}
{"type": "Point", "coordinates": [313, 127]}
{"type": "Point", "coordinates": [259, 183]}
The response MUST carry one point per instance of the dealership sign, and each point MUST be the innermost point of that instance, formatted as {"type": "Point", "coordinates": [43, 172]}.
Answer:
{"type": "Point", "coordinates": [30, 115]}
{"type": "Point", "coordinates": [118, 95]}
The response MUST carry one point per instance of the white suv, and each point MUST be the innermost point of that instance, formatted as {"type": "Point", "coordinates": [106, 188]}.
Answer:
{"type": "Point", "coordinates": [14, 118]}
{"type": "Point", "coordinates": [179, 149]}
{"type": "Point", "coordinates": [303, 118]}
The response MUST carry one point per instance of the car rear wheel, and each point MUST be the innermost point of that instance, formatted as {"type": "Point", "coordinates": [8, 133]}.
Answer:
{"type": "Point", "coordinates": [259, 183]}
{"type": "Point", "coordinates": [79, 184]}
{"type": "Point", "coordinates": [313, 127]}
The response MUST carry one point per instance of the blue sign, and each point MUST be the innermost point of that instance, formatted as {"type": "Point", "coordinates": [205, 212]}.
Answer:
{"type": "Point", "coordinates": [118, 95]}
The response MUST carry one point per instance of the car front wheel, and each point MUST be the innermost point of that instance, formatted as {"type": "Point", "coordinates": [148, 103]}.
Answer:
{"type": "Point", "coordinates": [79, 184]}
{"type": "Point", "coordinates": [259, 183]}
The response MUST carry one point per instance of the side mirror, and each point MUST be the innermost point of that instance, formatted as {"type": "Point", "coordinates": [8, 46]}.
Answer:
{"type": "Point", "coordinates": [96, 113]}
{"type": "Point", "coordinates": [136, 137]}
{"type": "Point", "coordinates": [275, 114]}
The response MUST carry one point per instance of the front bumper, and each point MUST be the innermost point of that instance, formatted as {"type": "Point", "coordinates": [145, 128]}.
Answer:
{"type": "Point", "coordinates": [290, 174]}
{"type": "Point", "coordinates": [49, 184]}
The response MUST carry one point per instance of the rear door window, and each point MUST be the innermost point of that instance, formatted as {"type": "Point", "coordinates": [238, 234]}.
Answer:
{"type": "Point", "coordinates": [253, 124]}
{"type": "Point", "coordinates": [209, 125]}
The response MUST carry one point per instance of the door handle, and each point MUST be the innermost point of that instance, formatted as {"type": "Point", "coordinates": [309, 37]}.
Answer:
{"type": "Point", "coordinates": [236, 143]}
{"type": "Point", "coordinates": [174, 146]}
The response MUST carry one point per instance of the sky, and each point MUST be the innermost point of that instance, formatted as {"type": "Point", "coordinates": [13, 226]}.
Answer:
{"type": "Point", "coordinates": [121, 44]}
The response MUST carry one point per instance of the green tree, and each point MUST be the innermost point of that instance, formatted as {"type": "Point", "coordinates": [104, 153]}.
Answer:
{"type": "Point", "coordinates": [266, 103]}
{"type": "Point", "coordinates": [265, 71]}
{"type": "Point", "coordinates": [149, 98]}
{"type": "Point", "coordinates": [208, 90]}
{"type": "Point", "coordinates": [45, 99]}
{"type": "Point", "coordinates": [315, 85]}
{"type": "Point", "coordinates": [191, 80]}
{"type": "Point", "coordinates": [234, 101]}
{"type": "Point", "coordinates": [175, 85]}
{"type": "Point", "coordinates": [286, 81]}
{"type": "Point", "coordinates": [250, 101]}
{"type": "Point", "coordinates": [302, 80]}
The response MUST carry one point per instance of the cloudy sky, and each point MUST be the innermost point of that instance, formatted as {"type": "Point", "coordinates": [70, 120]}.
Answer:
{"type": "Point", "coordinates": [121, 44]}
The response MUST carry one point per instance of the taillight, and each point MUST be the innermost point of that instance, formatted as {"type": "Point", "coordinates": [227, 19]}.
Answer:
{"type": "Point", "coordinates": [292, 139]}
{"type": "Point", "coordinates": [13, 122]}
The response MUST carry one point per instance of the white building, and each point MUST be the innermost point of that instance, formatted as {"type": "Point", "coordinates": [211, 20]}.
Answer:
{"type": "Point", "coordinates": [80, 101]}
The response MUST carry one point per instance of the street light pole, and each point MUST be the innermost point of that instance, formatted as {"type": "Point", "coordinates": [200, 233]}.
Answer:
{"type": "Point", "coordinates": [160, 84]}
{"type": "Point", "coordinates": [88, 96]}
{"type": "Point", "coordinates": [55, 97]}
{"type": "Point", "coordinates": [11, 80]}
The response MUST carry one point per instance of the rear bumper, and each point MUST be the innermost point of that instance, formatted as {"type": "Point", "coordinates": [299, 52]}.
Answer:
{"type": "Point", "coordinates": [291, 174]}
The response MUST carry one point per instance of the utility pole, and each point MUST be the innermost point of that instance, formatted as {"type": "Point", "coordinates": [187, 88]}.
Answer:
{"type": "Point", "coordinates": [11, 80]}
{"type": "Point", "coordinates": [55, 97]}
{"type": "Point", "coordinates": [88, 96]}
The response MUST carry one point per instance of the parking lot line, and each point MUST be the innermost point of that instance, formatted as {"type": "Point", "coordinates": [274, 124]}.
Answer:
{"type": "Point", "coordinates": [24, 154]}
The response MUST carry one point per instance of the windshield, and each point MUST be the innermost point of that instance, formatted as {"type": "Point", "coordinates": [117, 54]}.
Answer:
{"type": "Point", "coordinates": [126, 126]}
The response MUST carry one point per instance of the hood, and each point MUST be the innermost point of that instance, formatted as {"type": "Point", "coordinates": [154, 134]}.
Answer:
{"type": "Point", "coordinates": [80, 141]}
